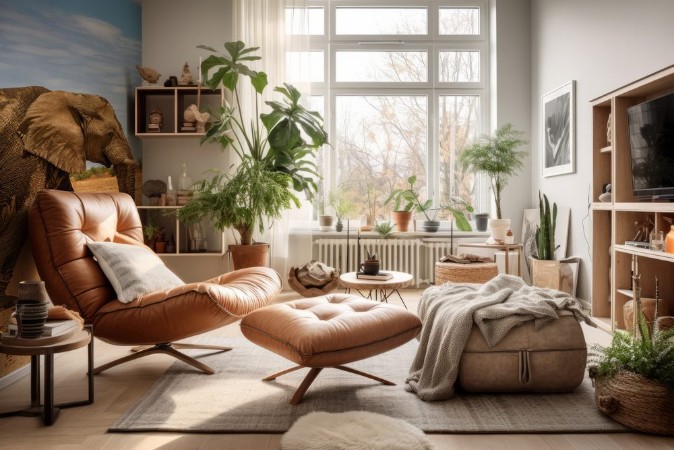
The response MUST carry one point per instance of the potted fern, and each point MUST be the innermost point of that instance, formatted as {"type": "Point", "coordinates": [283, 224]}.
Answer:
{"type": "Point", "coordinates": [276, 150]}
{"type": "Point", "coordinates": [634, 377]}
{"type": "Point", "coordinates": [546, 270]}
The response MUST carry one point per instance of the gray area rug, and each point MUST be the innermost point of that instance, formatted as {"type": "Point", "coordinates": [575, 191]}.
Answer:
{"type": "Point", "coordinates": [235, 400]}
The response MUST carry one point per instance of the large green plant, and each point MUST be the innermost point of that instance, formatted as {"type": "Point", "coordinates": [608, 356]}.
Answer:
{"type": "Point", "coordinates": [497, 156]}
{"type": "Point", "coordinates": [545, 233]}
{"type": "Point", "coordinates": [412, 201]}
{"type": "Point", "coordinates": [243, 200]}
{"type": "Point", "coordinates": [276, 149]}
{"type": "Point", "coordinates": [649, 356]}
{"type": "Point", "coordinates": [285, 139]}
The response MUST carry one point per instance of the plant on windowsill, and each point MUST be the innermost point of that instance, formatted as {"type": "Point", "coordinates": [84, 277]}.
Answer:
{"type": "Point", "coordinates": [384, 229]}
{"type": "Point", "coordinates": [412, 203]}
{"type": "Point", "coordinates": [342, 205]}
{"type": "Point", "coordinates": [634, 377]}
{"type": "Point", "coordinates": [275, 149]}
{"type": "Point", "coordinates": [497, 156]}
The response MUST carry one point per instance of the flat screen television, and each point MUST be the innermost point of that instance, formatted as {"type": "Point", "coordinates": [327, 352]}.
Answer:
{"type": "Point", "coordinates": [651, 133]}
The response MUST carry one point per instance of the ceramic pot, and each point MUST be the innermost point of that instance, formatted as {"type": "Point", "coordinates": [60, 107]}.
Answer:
{"type": "Point", "coordinates": [370, 267]}
{"type": "Point", "coordinates": [498, 229]}
{"type": "Point", "coordinates": [339, 226]}
{"type": "Point", "coordinates": [325, 222]}
{"type": "Point", "coordinates": [250, 255]}
{"type": "Point", "coordinates": [402, 220]}
{"type": "Point", "coordinates": [430, 225]}
{"type": "Point", "coordinates": [481, 221]}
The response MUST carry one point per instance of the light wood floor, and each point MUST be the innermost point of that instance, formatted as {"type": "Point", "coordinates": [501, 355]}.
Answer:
{"type": "Point", "coordinates": [118, 388]}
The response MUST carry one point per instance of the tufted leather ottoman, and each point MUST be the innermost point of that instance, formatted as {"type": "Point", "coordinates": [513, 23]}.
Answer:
{"type": "Point", "coordinates": [329, 331]}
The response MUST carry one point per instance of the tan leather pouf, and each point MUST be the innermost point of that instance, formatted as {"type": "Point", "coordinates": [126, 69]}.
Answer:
{"type": "Point", "coordinates": [329, 331]}
{"type": "Point", "coordinates": [551, 359]}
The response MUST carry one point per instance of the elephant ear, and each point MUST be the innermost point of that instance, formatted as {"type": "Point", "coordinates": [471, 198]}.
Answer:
{"type": "Point", "coordinates": [52, 130]}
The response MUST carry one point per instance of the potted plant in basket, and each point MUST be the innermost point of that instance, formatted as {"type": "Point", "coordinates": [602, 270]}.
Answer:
{"type": "Point", "coordinates": [498, 157]}
{"type": "Point", "coordinates": [275, 149]}
{"type": "Point", "coordinates": [412, 203]}
{"type": "Point", "coordinates": [634, 377]}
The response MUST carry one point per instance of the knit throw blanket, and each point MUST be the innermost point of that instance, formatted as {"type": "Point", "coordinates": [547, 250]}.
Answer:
{"type": "Point", "coordinates": [449, 311]}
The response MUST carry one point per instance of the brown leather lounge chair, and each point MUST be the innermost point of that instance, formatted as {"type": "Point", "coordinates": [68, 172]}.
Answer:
{"type": "Point", "coordinates": [61, 225]}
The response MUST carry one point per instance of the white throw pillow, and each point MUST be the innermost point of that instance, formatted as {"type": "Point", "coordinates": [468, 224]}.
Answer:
{"type": "Point", "coordinates": [133, 270]}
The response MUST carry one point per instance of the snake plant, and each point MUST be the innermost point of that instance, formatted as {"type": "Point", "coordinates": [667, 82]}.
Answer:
{"type": "Point", "coordinates": [545, 233]}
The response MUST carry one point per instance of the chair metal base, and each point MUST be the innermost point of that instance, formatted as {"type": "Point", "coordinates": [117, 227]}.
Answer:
{"type": "Point", "coordinates": [313, 373]}
{"type": "Point", "coordinates": [168, 348]}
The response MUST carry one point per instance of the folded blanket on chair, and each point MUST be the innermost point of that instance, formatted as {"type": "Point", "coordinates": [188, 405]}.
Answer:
{"type": "Point", "coordinates": [449, 311]}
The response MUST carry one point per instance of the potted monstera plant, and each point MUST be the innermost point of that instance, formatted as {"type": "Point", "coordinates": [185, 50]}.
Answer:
{"type": "Point", "coordinates": [275, 149]}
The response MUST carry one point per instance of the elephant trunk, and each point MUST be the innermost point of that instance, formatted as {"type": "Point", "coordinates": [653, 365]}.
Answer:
{"type": "Point", "coordinates": [126, 176]}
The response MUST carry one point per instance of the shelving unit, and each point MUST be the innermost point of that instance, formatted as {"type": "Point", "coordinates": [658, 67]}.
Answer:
{"type": "Point", "coordinates": [613, 222]}
{"type": "Point", "coordinates": [172, 102]}
{"type": "Point", "coordinates": [166, 217]}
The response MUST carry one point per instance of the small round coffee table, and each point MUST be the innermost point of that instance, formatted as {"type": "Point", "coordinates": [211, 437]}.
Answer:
{"type": "Point", "coordinates": [382, 289]}
{"type": "Point", "coordinates": [49, 411]}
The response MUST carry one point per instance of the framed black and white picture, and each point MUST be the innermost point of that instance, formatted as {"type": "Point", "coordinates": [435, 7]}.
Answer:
{"type": "Point", "coordinates": [559, 130]}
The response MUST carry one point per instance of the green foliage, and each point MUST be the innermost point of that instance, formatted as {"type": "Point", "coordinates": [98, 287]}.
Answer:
{"type": "Point", "coordinates": [343, 205]}
{"type": "Point", "coordinates": [283, 147]}
{"type": "Point", "coordinates": [244, 200]}
{"type": "Point", "coordinates": [384, 229]}
{"type": "Point", "coordinates": [649, 356]}
{"type": "Point", "coordinates": [412, 201]}
{"type": "Point", "coordinates": [545, 232]}
{"type": "Point", "coordinates": [93, 172]}
{"type": "Point", "coordinates": [496, 155]}
{"type": "Point", "coordinates": [151, 231]}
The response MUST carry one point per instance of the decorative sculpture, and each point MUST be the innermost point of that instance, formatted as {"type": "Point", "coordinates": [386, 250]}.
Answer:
{"type": "Point", "coordinates": [148, 74]}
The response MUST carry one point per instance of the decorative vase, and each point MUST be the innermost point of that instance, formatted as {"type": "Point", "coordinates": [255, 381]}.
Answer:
{"type": "Point", "coordinates": [31, 308]}
{"type": "Point", "coordinates": [669, 240]}
{"type": "Point", "coordinates": [253, 255]}
{"type": "Point", "coordinates": [339, 226]}
{"type": "Point", "coordinates": [498, 229]}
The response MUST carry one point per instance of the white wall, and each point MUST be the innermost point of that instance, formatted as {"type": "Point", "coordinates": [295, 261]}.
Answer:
{"type": "Point", "coordinates": [172, 29]}
{"type": "Point", "coordinates": [510, 94]}
{"type": "Point", "coordinates": [602, 44]}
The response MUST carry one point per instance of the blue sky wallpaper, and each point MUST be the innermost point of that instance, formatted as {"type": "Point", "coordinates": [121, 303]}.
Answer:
{"type": "Point", "coordinates": [74, 45]}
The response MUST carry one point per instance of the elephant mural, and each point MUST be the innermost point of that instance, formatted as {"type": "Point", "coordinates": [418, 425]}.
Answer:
{"type": "Point", "coordinates": [45, 136]}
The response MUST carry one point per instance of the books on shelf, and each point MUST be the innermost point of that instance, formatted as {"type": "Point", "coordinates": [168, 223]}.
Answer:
{"type": "Point", "coordinates": [382, 276]}
{"type": "Point", "coordinates": [51, 327]}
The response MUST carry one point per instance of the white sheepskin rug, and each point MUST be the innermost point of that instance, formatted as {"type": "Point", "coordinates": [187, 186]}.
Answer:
{"type": "Point", "coordinates": [353, 430]}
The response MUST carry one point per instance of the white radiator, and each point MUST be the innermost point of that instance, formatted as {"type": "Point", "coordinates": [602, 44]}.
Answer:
{"type": "Point", "coordinates": [432, 251]}
{"type": "Point", "coordinates": [401, 255]}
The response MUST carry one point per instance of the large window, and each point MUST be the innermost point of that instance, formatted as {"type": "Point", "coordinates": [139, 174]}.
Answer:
{"type": "Point", "coordinates": [404, 91]}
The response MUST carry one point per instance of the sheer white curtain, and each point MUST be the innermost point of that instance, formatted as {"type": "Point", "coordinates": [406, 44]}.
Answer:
{"type": "Point", "coordinates": [261, 23]}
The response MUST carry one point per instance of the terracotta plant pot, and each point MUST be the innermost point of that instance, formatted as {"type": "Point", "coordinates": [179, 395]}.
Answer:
{"type": "Point", "coordinates": [160, 247]}
{"type": "Point", "coordinates": [250, 255]}
{"type": "Point", "coordinates": [402, 220]}
{"type": "Point", "coordinates": [325, 222]}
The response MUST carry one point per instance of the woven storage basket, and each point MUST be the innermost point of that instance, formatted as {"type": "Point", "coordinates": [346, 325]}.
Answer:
{"type": "Point", "coordinates": [464, 273]}
{"type": "Point", "coordinates": [636, 402]}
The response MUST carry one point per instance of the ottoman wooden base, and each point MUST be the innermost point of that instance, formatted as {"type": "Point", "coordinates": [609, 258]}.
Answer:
{"type": "Point", "coordinates": [329, 331]}
{"type": "Point", "coordinates": [464, 273]}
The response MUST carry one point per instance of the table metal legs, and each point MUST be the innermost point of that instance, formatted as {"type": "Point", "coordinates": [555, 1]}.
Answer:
{"type": "Point", "coordinates": [380, 295]}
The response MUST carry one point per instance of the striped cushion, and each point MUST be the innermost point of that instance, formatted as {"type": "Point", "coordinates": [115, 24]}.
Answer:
{"type": "Point", "coordinates": [133, 270]}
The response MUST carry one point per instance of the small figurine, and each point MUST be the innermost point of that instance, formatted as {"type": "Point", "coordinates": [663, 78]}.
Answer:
{"type": "Point", "coordinates": [148, 74]}
{"type": "Point", "coordinates": [156, 121]}
{"type": "Point", "coordinates": [186, 77]}
{"type": "Point", "coordinates": [193, 115]}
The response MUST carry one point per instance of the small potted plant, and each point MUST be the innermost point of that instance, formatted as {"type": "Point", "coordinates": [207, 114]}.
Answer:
{"type": "Point", "coordinates": [325, 221]}
{"type": "Point", "coordinates": [634, 377]}
{"type": "Point", "coordinates": [498, 157]}
{"type": "Point", "coordinates": [456, 207]}
{"type": "Point", "coordinates": [151, 232]}
{"type": "Point", "coordinates": [384, 229]}
{"type": "Point", "coordinates": [403, 205]}
{"type": "Point", "coordinates": [342, 205]}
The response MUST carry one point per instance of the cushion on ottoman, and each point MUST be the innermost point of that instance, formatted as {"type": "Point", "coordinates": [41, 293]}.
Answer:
{"type": "Point", "coordinates": [331, 330]}
{"type": "Point", "coordinates": [551, 359]}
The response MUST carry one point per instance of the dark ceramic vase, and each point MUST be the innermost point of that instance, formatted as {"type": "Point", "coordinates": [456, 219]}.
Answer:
{"type": "Point", "coordinates": [31, 308]}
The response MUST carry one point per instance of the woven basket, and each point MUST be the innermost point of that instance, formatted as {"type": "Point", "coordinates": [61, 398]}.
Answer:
{"type": "Point", "coordinates": [636, 402]}
{"type": "Point", "coordinates": [464, 273]}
